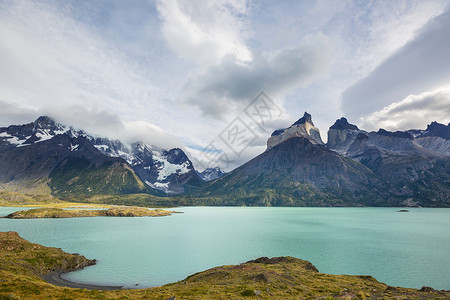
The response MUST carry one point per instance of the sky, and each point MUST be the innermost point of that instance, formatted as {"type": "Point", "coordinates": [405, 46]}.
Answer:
{"type": "Point", "coordinates": [194, 74]}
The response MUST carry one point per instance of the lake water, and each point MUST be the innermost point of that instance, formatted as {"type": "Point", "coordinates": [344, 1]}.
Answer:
{"type": "Point", "coordinates": [401, 249]}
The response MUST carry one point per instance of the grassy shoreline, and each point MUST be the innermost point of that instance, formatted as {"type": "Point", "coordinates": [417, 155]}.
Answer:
{"type": "Point", "coordinates": [23, 265]}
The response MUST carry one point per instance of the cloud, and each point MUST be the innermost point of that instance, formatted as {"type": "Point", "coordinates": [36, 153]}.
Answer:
{"type": "Point", "coordinates": [205, 31]}
{"type": "Point", "coordinates": [94, 121]}
{"type": "Point", "coordinates": [421, 65]}
{"type": "Point", "coordinates": [49, 57]}
{"type": "Point", "coordinates": [413, 112]}
{"type": "Point", "coordinates": [105, 124]}
{"type": "Point", "coordinates": [11, 114]}
{"type": "Point", "coordinates": [224, 87]}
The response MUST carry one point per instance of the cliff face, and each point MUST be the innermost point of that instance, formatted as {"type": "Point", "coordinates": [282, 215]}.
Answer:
{"type": "Point", "coordinates": [304, 127]}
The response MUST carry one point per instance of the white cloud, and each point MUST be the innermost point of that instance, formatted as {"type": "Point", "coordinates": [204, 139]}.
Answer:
{"type": "Point", "coordinates": [391, 25]}
{"type": "Point", "coordinates": [48, 57]}
{"type": "Point", "coordinates": [106, 124]}
{"type": "Point", "coordinates": [413, 112]}
{"type": "Point", "coordinates": [423, 64]}
{"type": "Point", "coordinates": [205, 31]}
{"type": "Point", "coordinates": [53, 64]}
{"type": "Point", "coordinates": [11, 114]}
{"type": "Point", "coordinates": [229, 85]}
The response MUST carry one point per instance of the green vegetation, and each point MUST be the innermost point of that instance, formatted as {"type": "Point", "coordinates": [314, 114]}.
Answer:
{"type": "Point", "coordinates": [141, 199]}
{"type": "Point", "coordinates": [18, 199]}
{"type": "Point", "coordinates": [22, 265]}
{"type": "Point", "coordinates": [120, 211]}
{"type": "Point", "coordinates": [79, 176]}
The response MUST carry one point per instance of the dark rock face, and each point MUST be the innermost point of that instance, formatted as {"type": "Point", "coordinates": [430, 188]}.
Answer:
{"type": "Point", "coordinates": [341, 134]}
{"type": "Point", "coordinates": [437, 129]}
{"type": "Point", "coordinates": [397, 134]}
{"type": "Point", "coordinates": [306, 118]}
{"type": "Point", "coordinates": [277, 132]}
{"type": "Point", "coordinates": [342, 123]}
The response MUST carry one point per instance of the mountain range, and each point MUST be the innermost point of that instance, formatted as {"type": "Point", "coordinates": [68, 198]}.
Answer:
{"type": "Point", "coordinates": [354, 167]}
{"type": "Point", "coordinates": [45, 156]}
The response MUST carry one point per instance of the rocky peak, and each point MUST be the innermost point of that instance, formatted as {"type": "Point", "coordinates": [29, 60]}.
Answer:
{"type": "Point", "coordinates": [438, 129]}
{"type": "Point", "coordinates": [342, 123]}
{"type": "Point", "coordinates": [304, 127]}
{"type": "Point", "coordinates": [306, 118]}
{"type": "Point", "coordinates": [211, 173]}
{"type": "Point", "coordinates": [177, 156]}
{"type": "Point", "coordinates": [341, 134]}
{"type": "Point", "coordinates": [44, 122]}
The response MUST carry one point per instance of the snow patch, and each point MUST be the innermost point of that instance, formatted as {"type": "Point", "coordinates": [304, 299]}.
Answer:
{"type": "Point", "coordinates": [102, 148]}
{"type": "Point", "coordinates": [166, 169]}
{"type": "Point", "coordinates": [15, 140]}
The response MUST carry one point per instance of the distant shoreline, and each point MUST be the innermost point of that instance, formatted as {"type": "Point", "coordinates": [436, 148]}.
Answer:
{"type": "Point", "coordinates": [56, 279]}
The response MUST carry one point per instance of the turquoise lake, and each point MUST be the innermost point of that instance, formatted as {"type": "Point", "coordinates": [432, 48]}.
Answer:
{"type": "Point", "coordinates": [401, 249]}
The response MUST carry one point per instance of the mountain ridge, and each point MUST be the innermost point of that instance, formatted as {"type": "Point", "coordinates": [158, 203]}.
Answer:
{"type": "Point", "coordinates": [151, 166]}
{"type": "Point", "coordinates": [392, 169]}
{"type": "Point", "coordinates": [354, 167]}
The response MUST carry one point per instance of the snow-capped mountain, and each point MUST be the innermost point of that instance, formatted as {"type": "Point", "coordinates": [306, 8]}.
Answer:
{"type": "Point", "coordinates": [165, 170]}
{"type": "Point", "coordinates": [211, 173]}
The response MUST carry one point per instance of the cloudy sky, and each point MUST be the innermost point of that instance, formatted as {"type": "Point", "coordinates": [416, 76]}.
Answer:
{"type": "Point", "coordinates": [182, 73]}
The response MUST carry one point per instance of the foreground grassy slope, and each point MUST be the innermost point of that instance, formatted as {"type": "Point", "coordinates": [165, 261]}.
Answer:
{"type": "Point", "coordinates": [122, 211]}
{"type": "Point", "coordinates": [22, 264]}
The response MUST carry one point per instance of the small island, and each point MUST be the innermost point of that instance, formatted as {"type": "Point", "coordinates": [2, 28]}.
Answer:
{"type": "Point", "coordinates": [117, 211]}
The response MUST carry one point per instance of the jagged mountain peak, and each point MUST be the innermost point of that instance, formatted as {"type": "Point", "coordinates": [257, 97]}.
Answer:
{"type": "Point", "coordinates": [342, 123]}
{"type": "Point", "coordinates": [438, 129]}
{"type": "Point", "coordinates": [304, 127]}
{"type": "Point", "coordinates": [396, 134]}
{"type": "Point", "coordinates": [44, 120]}
{"type": "Point", "coordinates": [211, 173]}
{"type": "Point", "coordinates": [306, 118]}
